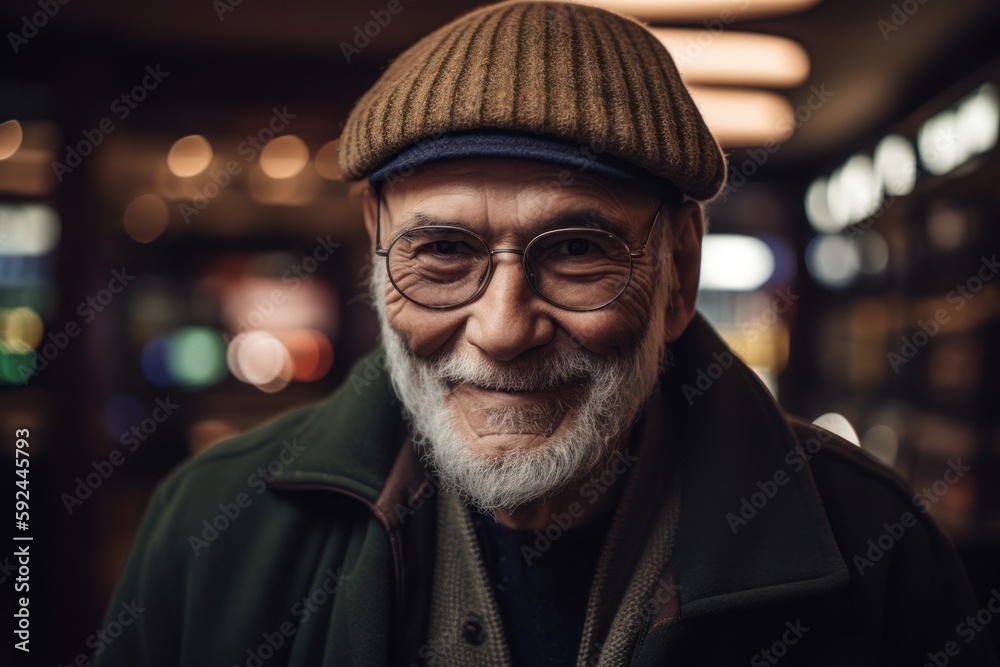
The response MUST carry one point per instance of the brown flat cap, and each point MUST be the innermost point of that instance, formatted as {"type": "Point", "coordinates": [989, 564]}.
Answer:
{"type": "Point", "coordinates": [572, 73]}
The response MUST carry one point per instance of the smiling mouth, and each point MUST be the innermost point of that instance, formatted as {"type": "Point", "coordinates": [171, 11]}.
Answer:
{"type": "Point", "coordinates": [560, 392]}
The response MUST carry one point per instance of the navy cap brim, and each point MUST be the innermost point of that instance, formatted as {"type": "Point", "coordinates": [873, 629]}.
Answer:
{"type": "Point", "coordinates": [510, 145]}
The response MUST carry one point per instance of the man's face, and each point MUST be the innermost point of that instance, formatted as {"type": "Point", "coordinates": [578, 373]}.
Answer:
{"type": "Point", "coordinates": [513, 397]}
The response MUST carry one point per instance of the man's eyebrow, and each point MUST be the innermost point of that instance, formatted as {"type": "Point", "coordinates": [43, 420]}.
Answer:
{"type": "Point", "coordinates": [583, 218]}
{"type": "Point", "coordinates": [422, 218]}
{"type": "Point", "coordinates": [587, 218]}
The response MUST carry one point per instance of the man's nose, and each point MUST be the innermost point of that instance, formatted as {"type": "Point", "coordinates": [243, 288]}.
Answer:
{"type": "Point", "coordinates": [508, 318]}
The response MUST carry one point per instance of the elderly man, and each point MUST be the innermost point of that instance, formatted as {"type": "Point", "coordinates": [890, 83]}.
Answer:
{"type": "Point", "coordinates": [517, 477]}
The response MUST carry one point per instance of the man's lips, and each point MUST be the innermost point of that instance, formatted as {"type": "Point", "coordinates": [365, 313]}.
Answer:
{"type": "Point", "coordinates": [518, 396]}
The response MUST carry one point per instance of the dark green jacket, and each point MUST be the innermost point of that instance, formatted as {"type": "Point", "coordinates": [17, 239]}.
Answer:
{"type": "Point", "coordinates": [308, 541]}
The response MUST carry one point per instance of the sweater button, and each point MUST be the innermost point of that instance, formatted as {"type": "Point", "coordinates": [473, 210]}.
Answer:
{"type": "Point", "coordinates": [472, 632]}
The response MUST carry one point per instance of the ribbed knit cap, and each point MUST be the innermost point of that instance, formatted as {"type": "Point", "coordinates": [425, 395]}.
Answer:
{"type": "Point", "coordinates": [569, 72]}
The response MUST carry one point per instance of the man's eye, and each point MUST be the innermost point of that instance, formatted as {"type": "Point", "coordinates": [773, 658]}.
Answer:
{"type": "Point", "coordinates": [445, 247]}
{"type": "Point", "coordinates": [577, 246]}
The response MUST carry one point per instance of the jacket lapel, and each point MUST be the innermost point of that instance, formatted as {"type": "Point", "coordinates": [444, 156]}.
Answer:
{"type": "Point", "coordinates": [736, 445]}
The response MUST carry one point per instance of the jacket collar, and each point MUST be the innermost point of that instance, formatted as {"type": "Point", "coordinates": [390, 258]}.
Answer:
{"type": "Point", "coordinates": [352, 439]}
{"type": "Point", "coordinates": [736, 444]}
{"type": "Point", "coordinates": [733, 440]}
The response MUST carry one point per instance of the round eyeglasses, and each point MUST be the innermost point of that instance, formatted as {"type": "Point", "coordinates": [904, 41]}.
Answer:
{"type": "Point", "coordinates": [574, 268]}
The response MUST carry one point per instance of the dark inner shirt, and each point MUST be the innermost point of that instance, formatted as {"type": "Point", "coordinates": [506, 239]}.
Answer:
{"type": "Point", "coordinates": [541, 585]}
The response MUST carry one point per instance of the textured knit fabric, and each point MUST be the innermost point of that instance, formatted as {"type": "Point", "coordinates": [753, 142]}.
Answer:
{"type": "Point", "coordinates": [571, 72]}
{"type": "Point", "coordinates": [647, 580]}
{"type": "Point", "coordinates": [461, 597]}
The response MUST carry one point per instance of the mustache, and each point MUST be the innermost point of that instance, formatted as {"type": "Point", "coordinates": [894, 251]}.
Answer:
{"type": "Point", "coordinates": [539, 374]}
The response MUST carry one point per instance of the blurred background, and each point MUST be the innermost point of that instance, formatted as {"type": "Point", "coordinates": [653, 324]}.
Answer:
{"type": "Point", "coordinates": [180, 259]}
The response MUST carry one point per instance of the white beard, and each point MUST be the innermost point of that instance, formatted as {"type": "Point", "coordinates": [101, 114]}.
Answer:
{"type": "Point", "coordinates": [578, 440]}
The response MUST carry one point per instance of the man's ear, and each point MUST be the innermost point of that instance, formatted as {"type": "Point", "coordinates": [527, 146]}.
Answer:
{"type": "Point", "coordinates": [369, 206]}
{"type": "Point", "coordinates": [686, 230]}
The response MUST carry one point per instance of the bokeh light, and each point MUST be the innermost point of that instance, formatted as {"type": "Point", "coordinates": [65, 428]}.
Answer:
{"type": "Point", "coordinates": [16, 363]}
{"type": "Point", "coordinates": [311, 353]}
{"type": "Point", "coordinates": [260, 359]}
{"type": "Point", "coordinates": [818, 209]}
{"type": "Point", "coordinates": [28, 229]}
{"type": "Point", "coordinates": [284, 157]}
{"type": "Point", "coordinates": [833, 260]}
{"type": "Point", "coordinates": [189, 156]}
{"type": "Point", "coordinates": [896, 165]}
{"type": "Point", "coordinates": [860, 187]}
{"type": "Point", "coordinates": [883, 442]}
{"type": "Point", "coordinates": [21, 326]}
{"type": "Point", "coordinates": [11, 135]}
{"type": "Point", "coordinates": [735, 262]}
{"type": "Point", "coordinates": [154, 362]}
{"type": "Point", "coordinates": [947, 228]}
{"type": "Point", "coordinates": [271, 360]}
{"type": "Point", "coordinates": [327, 164]}
{"type": "Point", "coordinates": [196, 356]}
{"type": "Point", "coordinates": [299, 191]}
{"type": "Point", "coordinates": [146, 217]}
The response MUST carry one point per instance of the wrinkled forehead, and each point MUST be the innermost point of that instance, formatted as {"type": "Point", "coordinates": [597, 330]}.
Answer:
{"type": "Point", "coordinates": [501, 190]}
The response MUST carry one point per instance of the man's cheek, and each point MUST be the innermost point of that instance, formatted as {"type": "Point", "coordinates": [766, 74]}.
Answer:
{"type": "Point", "coordinates": [621, 323]}
{"type": "Point", "coordinates": [425, 331]}
{"type": "Point", "coordinates": [607, 331]}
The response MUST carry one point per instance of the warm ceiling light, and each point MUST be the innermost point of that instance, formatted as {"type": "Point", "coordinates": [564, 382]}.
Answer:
{"type": "Point", "coordinates": [744, 117]}
{"type": "Point", "coordinates": [326, 161]}
{"type": "Point", "coordinates": [189, 156]}
{"type": "Point", "coordinates": [735, 58]}
{"type": "Point", "coordinates": [696, 10]}
{"type": "Point", "coordinates": [284, 157]}
{"type": "Point", "coordinates": [10, 138]}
